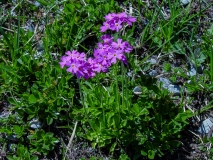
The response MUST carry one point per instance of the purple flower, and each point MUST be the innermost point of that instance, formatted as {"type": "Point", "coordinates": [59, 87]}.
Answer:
{"type": "Point", "coordinates": [116, 26]}
{"type": "Point", "coordinates": [99, 67]}
{"type": "Point", "coordinates": [119, 44]}
{"type": "Point", "coordinates": [114, 21]}
{"type": "Point", "coordinates": [79, 56]}
{"type": "Point", "coordinates": [71, 53]}
{"type": "Point", "coordinates": [110, 16]}
{"type": "Point", "coordinates": [102, 47]}
{"type": "Point", "coordinates": [127, 48]}
{"type": "Point", "coordinates": [64, 60]}
{"type": "Point", "coordinates": [107, 39]}
{"type": "Point", "coordinates": [122, 16]}
{"type": "Point", "coordinates": [114, 55]}
{"type": "Point", "coordinates": [129, 20]}
{"type": "Point", "coordinates": [124, 59]}
{"type": "Point", "coordinates": [73, 66]}
{"type": "Point", "coordinates": [105, 27]}
{"type": "Point", "coordinates": [103, 59]}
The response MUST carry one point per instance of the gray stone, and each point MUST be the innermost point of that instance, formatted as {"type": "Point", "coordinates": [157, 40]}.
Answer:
{"type": "Point", "coordinates": [37, 4]}
{"type": "Point", "coordinates": [153, 61]}
{"type": "Point", "coordinates": [175, 89]}
{"type": "Point", "coordinates": [4, 115]}
{"type": "Point", "coordinates": [12, 137]}
{"type": "Point", "coordinates": [205, 126]}
{"type": "Point", "coordinates": [130, 73]}
{"type": "Point", "coordinates": [192, 70]}
{"type": "Point", "coordinates": [35, 124]}
{"type": "Point", "coordinates": [137, 90]}
{"type": "Point", "coordinates": [185, 2]}
{"type": "Point", "coordinates": [165, 82]}
{"type": "Point", "coordinates": [30, 27]}
{"type": "Point", "coordinates": [153, 73]}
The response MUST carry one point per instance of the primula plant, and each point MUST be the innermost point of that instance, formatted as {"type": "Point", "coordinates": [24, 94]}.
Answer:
{"type": "Point", "coordinates": [117, 119]}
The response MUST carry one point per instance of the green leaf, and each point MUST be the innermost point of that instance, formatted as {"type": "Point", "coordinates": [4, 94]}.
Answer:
{"type": "Point", "coordinates": [143, 153]}
{"type": "Point", "coordinates": [12, 101]}
{"type": "Point", "coordinates": [151, 154]}
{"type": "Point", "coordinates": [123, 157]}
{"type": "Point", "coordinates": [112, 148]}
{"type": "Point", "coordinates": [49, 120]}
{"type": "Point", "coordinates": [69, 8]}
{"type": "Point", "coordinates": [17, 129]}
{"type": "Point", "coordinates": [32, 99]}
{"type": "Point", "coordinates": [34, 158]}
{"type": "Point", "coordinates": [211, 140]}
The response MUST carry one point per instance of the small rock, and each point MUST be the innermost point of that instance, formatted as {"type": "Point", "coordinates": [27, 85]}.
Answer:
{"type": "Point", "coordinates": [192, 70]}
{"type": "Point", "coordinates": [4, 115]}
{"type": "Point", "coordinates": [153, 73]}
{"type": "Point", "coordinates": [35, 124]}
{"type": "Point", "coordinates": [137, 90]}
{"type": "Point", "coordinates": [165, 82]}
{"type": "Point", "coordinates": [12, 137]}
{"type": "Point", "coordinates": [130, 73]}
{"type": "Point", "coordinates": [30, 27]}
{"type": "Point", "coordinates": [37, 4]}
{"type": "Point", "coordinates": [185, 2]}
{"type": "Point", "coordinates": [175, 89]}
{"type": "Point", "coordinates": [153, 61]}
{"type": "Point", "coordinates": [205, 126]}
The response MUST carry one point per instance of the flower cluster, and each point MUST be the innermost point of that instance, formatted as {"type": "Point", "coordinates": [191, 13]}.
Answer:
{"type": "Point", "coordinates": [114, 21]}
{"type": "Point", "coordinates": [108, 52]}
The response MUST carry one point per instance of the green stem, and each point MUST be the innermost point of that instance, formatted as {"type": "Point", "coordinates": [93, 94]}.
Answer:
{"type": "Point", "coordinates": [82, 99]}
{"type": "Point", "coordinates": [117, 93]}
{"type": "Point", "coordinates": [101, 95]}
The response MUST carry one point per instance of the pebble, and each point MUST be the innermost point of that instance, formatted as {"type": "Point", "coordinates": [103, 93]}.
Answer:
{"type": "Point", "coordinates": [165, 82]}
{"type": "Point", "coordinates": [12, 137]}
{"type": "Point", "coordinates": [37, 4]}
{"type": "Point", "coordinates": [137, 90]}
{"type": "Point", "coordinates": [175, 89]}
{"type": "Point", "coordinates": [4, 115]}
{"type": "Point", "coordinates": [153, 73]}
{"type": "Point", "coordinates": [192, 70]}
{"type": "Point", "coordinates": [130, 73]}
{"type": "Point", "coordinates": [153, 61]}
{"type": "Point", "coordinates": [185, 2]}
{"type": "Point", "coordinates": [205, 126]}
{"type": "Point", "coordinates": [35, 124]}
{"type": "Point", "coordinates": [30, 27]}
